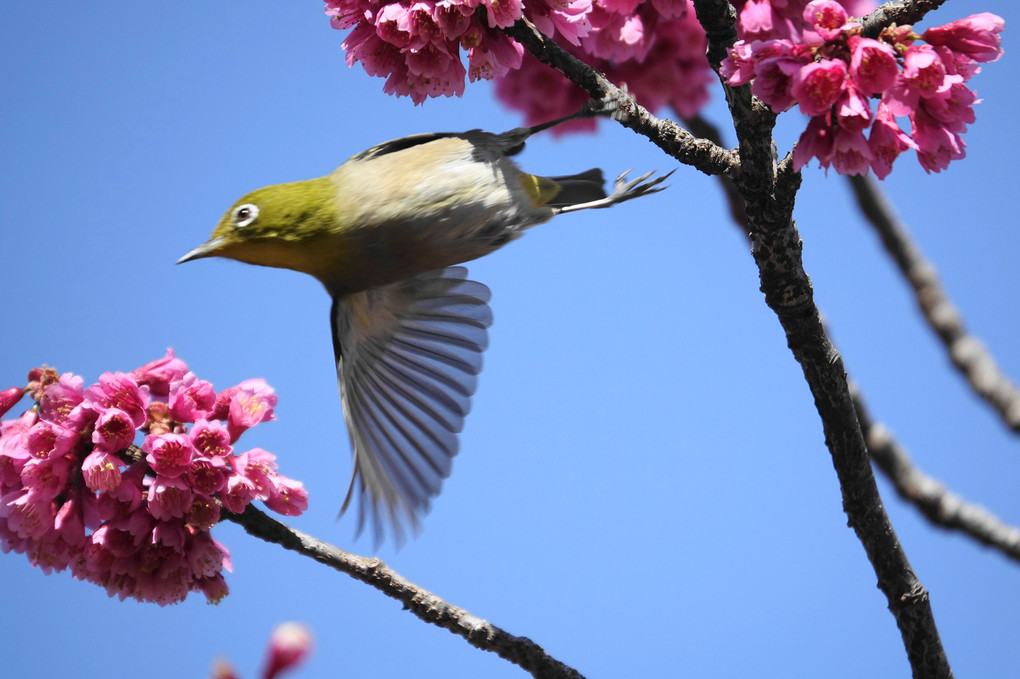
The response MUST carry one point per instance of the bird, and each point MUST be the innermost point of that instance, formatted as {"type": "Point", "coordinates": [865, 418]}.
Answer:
{"type": "Point", "coordinates": [385, 233]}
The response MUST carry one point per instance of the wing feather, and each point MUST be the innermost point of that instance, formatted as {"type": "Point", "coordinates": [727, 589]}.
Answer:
{"type": "Point", "coordinates": [408, 356]}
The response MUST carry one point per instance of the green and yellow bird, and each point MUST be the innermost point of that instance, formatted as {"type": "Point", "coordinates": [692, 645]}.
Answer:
{"type": "Point", "coordinates": [382, 233]}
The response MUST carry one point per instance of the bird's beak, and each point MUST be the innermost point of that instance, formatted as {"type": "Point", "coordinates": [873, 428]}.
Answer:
{"type": "Point", "coordinates": [206, 249]}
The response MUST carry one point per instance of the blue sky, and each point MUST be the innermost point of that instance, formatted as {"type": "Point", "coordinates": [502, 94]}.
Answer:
{"type": "Point", "coordinates": [643, 486]}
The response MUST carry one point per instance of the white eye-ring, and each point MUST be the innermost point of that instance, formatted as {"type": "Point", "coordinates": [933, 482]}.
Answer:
{"type": "Point", "coordinates": [245, 214]}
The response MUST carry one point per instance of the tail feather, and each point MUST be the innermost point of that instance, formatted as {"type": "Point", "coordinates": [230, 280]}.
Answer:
{"type": "Point", "coordinates": [578, 188]}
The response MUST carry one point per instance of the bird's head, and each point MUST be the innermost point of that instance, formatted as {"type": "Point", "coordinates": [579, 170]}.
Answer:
{"type": "Point", "coordinates": [281, 226]}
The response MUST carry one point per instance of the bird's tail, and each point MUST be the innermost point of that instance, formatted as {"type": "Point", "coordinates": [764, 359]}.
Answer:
{"type": "Point", "coordinates": [584, 191]}
{"type": "Point", "coordinates": [578, 188]}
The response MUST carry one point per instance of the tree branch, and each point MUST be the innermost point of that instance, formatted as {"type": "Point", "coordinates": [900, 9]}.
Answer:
{"type": "Point", "coordinates": [936, 502]}
{"type": "Point", "coordinates": [666, 134]}
{"type": "Point", "coordinates": [941, 506]}
{"type": "Point", "coordinates": [965, 351]}
{"type": "Point", "coordinates": [770, 192]}
{"type": "Point", "coordinates": [898, 12]}
{"type": "Point", "coordinates": [425, 605]}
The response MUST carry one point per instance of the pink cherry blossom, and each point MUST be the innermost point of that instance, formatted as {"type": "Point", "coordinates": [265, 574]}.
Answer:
{"type": "Point", "coordinates": [208, 475]}
{"type": "Point", "coordinates": [46, 479]}
{"type": "Point", "coordinates": [953, 108]}
{"type": "Point", "coordinates": [287, 497]}
{"type": "Point", "coordinates": [815, 142]}
{"type": "Point", "coordinates": [206, 556]}
{"type": "Point", "coordinates": [503, 13]}
{"type": "Point", "coordinates": [259, 466]}
{"type": "Point", "coordinates": [118, 390]}
{"type": "Point", "coordinates": [27, 515]}
{"type": "Point", "coordinates": [204, 513]}
{"type": "Point", "coordinates": [250, 404]}
{"type": "Point", "coordinates": [191, 399]}
{"type": "Point", "coordinates": [9, 398]}
{"type": "Point", "coordinates": [817, 85]}
{"type": "Point", "coordinates": [169, 498]}
{"type": "Point", "coordinates": [853, 112]}
{"type": "Point", "coordinates": [69, 522]}
{"type": "Point", "coordinates": [210, 438]}
{"type": "Point", "coordinates": [887, 142]}
{"type": "Point", "coordinates": [168, 454]}
{"type": "Point", "coordinates": [48, 439]}
{"type": "Point", "coordinates": [159, 374]}
{"type": "Point", "coordinates": [214, 588]}
{"type": "Point", "coordinates": [493, 58]}
{"type": "Point", "coordinates": [60, 399]}
{"type": "Point", "coordinates": [239, 494]}
{"type": "Point", "coordinates": [773, 76]}
{"type": "Point", "coordinates": [114, 431]}
{"type": "Point", "coordinates": [827, 18]}
{"type": "Point", "coordinates": [850, 152]}
{"type": "Point", "coordinates": [738, 68]}
{"type": "Point", "coordinates": [289, 645]}
{"type": "Point", "coordinates": [936, 145]}
{"type": "Point", "coordinates": [101, 471]}
{"type": "Point", "coordinates": [758, 19]}
{"type": "Point", "coordinates": [872, 64]}
{"type": "Point", "coordinates": [976, 36]}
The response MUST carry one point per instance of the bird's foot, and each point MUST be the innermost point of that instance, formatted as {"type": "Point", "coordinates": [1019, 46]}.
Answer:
{"type": "Point", "coordinates": [623, 190]}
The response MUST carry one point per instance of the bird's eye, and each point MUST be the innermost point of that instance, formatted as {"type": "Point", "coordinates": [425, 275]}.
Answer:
{"type": "Point", "coordinates": [245, 214]}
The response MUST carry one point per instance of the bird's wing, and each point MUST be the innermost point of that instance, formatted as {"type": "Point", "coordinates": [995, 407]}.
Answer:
{"type": "Point", "coordinates": [394, 145]}
{"type": "Point", "coordinates": [407, 359]}
{"type": "Point", "coordinates": [486, 145]}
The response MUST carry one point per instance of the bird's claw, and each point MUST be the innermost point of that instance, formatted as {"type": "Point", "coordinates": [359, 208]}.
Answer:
{"type": "Point", "coordinates": [639, 186]}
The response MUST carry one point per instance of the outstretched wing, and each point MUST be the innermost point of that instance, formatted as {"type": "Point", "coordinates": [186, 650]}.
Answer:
{"type": "Point", "coordinates": [408, 355]}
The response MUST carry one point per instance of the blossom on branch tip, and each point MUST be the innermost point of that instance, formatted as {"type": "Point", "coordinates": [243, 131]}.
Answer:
{"type": "Point", "coordinates": [831, 72]}
{"type": "Point", "coordinates": [289, 645]}
{"type": "Point", "coordinates": [975, 37]}
{"type": "Point", "coordinates": [75, 492]}
{"type": "Point", "coordinates": [251, 403]}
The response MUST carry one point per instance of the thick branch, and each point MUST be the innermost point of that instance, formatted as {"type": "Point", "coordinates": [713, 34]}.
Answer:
{"type": "Point", "coordinates": [666, 134]}
{"type": "Point", "coordinates": [770, 193]}
{"type": "Point", "coordinates": [965, 351]}
{"type": "Point", "coordinates": [427, 606]}
{"type": "Point", "coordinates": [936, 502]}
{"type": "Point", "coordinates": [941, 506]}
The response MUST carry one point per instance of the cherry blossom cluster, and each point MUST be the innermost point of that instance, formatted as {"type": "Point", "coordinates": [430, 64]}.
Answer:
{"type": "Point", "coordinates": [416, 46]}
{"type": "Point", "coordinates": [76, 492]}
{"type": "Point", "coordinates": [656, 46]}
{"type": "Point", "coordinates": [784, 19]}
{"type": "Point", "coordinates": [832, 73]}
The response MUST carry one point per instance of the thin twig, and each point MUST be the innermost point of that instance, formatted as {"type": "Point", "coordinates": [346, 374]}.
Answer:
{"type": "Point", "coordinates": [701, 154]}
{"type": "Point", "coordinates": [425, 605]}
{"type": "Point", "coordinates": [898, 12]}
{"type": "Point", "coordinates": [941, 506]}
{"type": "Point", "coordinates": [965, 351]}
{"type": "Point", "coordinates": [769, 191]}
